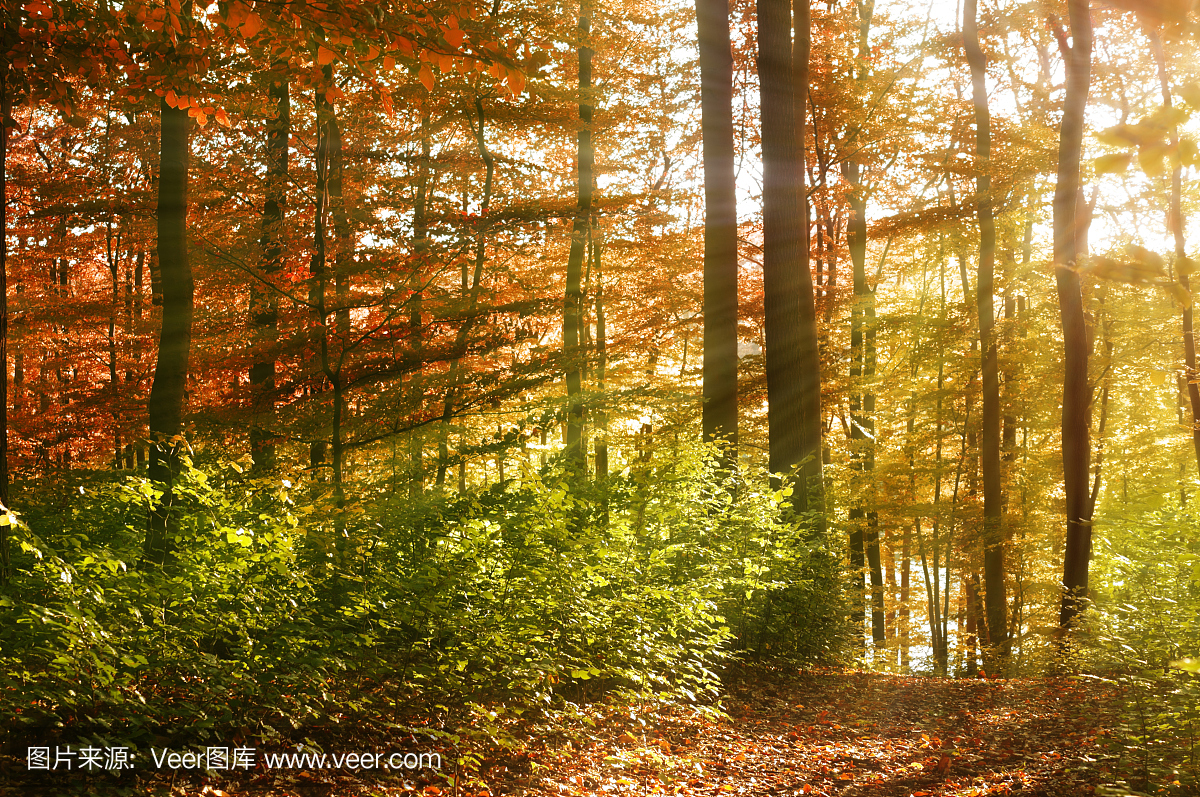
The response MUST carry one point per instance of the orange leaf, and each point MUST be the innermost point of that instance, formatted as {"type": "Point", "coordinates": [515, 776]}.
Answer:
{"type": "Point", "coordinates": [222, 117]}
{"type": "Point", "coordinates": [201, 119]}
{"type": "Point", "coordinates": [516, 82]}
{"type": "Point", "coordinates": [740, 757]}
{"type": "Point", "coordinates": [251, 26]}
{"type": "Point", "coordinates": [445, 63]}
{"type": "Point", "coordinates": [389, 63]}
{"type": "Point", "coordinates": [324, 55]}
{"type": "Point", "coordinates": [454, 37]}
{"type": "Point", "coordinates": [426, 76]}
{"type": "Point", "coordinates": [185, 101]}
{"type": "Point", "coordinates": [171, 99]}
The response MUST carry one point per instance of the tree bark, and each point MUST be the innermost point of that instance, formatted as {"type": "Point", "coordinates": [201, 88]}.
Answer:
{"type": "Point", "coordinates": [573, 353]}
{"type": "Point", "coordinates": [167, 393]}
{"type": "Point", "coordinates": [720, 228]}
{"type": "Point", "coordinates": [264, 302]}
{"type": "Point", "coordinates": [993, 499]}
{"type": "Point", "coordinates": [862, 346]}
{"type": "Point", "coordinates": [5, 109]}
{"type": "Point", "coordinates": [1076, 405]}
{"type": "Point", "coordinates": [787, 283]}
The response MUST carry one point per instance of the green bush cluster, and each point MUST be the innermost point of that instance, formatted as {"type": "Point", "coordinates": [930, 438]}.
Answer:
{"type": "Point", "coordinates": [1144, 626]}
{"type": "Point", "coordinates": [278, 608]}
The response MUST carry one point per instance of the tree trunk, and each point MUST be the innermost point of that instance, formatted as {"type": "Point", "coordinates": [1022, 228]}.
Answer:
{"type": "Point", "coordinates": [264, 302]}
{"type": "Point", "coordinates": [1076, 405]}
{"type": "Point", "coordinates": [5, 108]}
{"type": "Point", "coordinates": [862, 345]}
{"type": "Point", "coordinates": [470, 291]}
{"type": "Point", "coordinates": [993, 500]}
{"type": "Point", "coordinates": [343, 257]}
{"type": "Point", "coordinates": [573, 354]}
{"type": "Point", "coordinates": [720, 228]}
{"type": "Point", "coordinates": [787, 284]}
{"type": "Point", "coordinates": [1175, 227]}
{"type": "Point", "coordinates": [602, 360]}
{"type": "Point", "coordinates": [167, 392]}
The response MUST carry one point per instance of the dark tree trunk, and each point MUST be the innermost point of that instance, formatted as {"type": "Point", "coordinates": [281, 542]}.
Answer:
{"type": "Point", "coordinates": [5, 108]}
{"type": "Point", "coordinates": [573, 301]}
{"type": "Point", "coordinates": [264, 308]}
{"type": "Point", "coordinates": [787, 284]}
{"type": "Point", "coordinates": [993, 500]}
{"type": "Point", "coordinates": [1076, 405]}
{"type": "Point", "coordinates": [720, 227]}
{"type": "Point", "coordinates": [167, 393]}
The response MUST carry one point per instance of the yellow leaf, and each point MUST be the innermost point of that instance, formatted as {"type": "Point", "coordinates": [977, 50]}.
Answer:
{"type": "Point", "coordinates": [1179, 294]}
{"type": "Point", "coordinates": [251, 26]}
{"type": "Point", "coordinates": [324, 55]}
{"type": "Point", "coordinates": [1134, 273]}
{"type": "Point", "coordinates": [1158, 377]}
{"type": "Point", "coordinates": [1113, 164]}
{"type": "Point", "coordinates": [1190, 93]}
{"type": "Point", "coordinates": [1152, 158]}
{"type": "Point", "coordinates": [426, 77]}
{"type": "Point", "coordinates": [1143, 255]}
{"type": "Point", "coordinates": [1119, 136]}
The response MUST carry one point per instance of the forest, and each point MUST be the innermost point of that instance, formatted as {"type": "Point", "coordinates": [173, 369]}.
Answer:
{"type": "Point", "coordinates": [448, 397]}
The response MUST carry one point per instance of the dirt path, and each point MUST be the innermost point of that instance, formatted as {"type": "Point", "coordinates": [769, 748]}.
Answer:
{"type": "Point", "coordinates": [852, 734]}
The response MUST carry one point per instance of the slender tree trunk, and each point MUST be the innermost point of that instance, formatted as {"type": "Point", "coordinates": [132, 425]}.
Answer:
{"type": "Point", "coordinates": [1175, 226]}
{"type": "Point", "coordinates": [470, 290]}
{"type": "Point", "coordinates": [264, 302]}
{"type": "Point", "coordinates": [318, 273]}
{"type": "Point", "coordinates": [993, 499]}
{"type": "Point", "coordinates": [862, 337]}
{"type": "Point", "coordinates": [5, 108]}
{"type": "Point", "coordinates": [573, 354]}
{"type": "Point", "coordinates": [1076, 403]}
{"type": "Point", "coordinates": [343, 258]}
{"type": "Point", "coordinates": [602, 359]}
{"type": "Point", "coordinates": [167, 393]}
{"type": "Point", "coordinates": [812, 480]}
{"type": "Point", "coordinates": [720, 227]}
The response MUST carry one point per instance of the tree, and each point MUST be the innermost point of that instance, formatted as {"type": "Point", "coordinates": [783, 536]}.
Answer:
{"type": "Point", "coordinates": [170, 374]}
{"type": "Point", "coordinates": [720, 226]}
{"type": "Point", "coordinates": [1076, 402]}
{"type": "Point", "coordinates": [573, 302]}
{"type": "Point", "coordinates": [789, 310]}
{"type": "Point", "coordinates": [993, 500]}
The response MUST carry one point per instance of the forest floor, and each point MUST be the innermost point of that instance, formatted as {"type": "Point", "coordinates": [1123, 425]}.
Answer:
{"type": "Point", "coordinates": [812, 733]}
